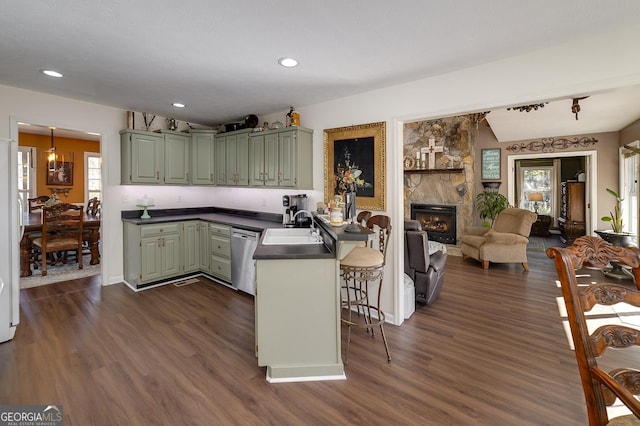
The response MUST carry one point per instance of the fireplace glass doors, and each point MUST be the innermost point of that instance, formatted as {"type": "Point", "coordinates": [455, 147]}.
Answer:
{"type": "Point", "coordinates": [439, 221]}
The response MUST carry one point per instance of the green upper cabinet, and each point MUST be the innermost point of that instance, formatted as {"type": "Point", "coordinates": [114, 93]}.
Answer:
{"type": "Point", "coordinates": [177, 159]}
{"type": "Point", "coordinates": [220, 160]}
{"type": "Point", "coordinates": [142, 156]}
{"type": "Point", "coordinates": [288, 159]}
{"type": "Point", "coordinates": [282, 158]}
{"type": "Point", "coordinates": [202, 157]}
{"type": "Point", "coordinates": [263, 160]}
{"type": "Point", "coordinates": [237, 157]}
{"type": "Point", "coordinates": [155, 158]}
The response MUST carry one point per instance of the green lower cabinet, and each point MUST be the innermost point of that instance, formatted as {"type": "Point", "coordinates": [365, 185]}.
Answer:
{"type": "Point", "coordinates": [159, 252]}
{"type": "Point", "coordinates": [203, 241]}
{"type": "Point", "coordinates": [220, 251]}
{"type": "Point", "coordinates": [291, 349]}
{"type": "Point", "coordinates": [159, 257]}
{"type": "Point", "coordinates": [191, 246]}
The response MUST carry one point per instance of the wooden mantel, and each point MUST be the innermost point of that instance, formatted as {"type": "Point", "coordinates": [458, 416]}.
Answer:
{"type": "Point", "coordinates": [433, 171]}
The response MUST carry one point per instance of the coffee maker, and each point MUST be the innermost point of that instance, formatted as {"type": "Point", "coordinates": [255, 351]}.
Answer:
{"type": "Point", "coordinates": [291, 204]}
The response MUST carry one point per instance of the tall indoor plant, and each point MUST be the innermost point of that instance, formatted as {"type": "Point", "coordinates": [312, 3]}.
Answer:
{"type": "Point", "coordinates": [489, 204]}
{"type": "Point", "coordinates": [615, 217]}
{"type": "Point", "coordinates": [616, 235]}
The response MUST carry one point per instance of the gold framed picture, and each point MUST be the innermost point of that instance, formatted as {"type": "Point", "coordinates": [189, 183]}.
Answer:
{"type": "Point", "coordinates": [354, 156]}
{"type": "Point", "coordinates": [60, 173]}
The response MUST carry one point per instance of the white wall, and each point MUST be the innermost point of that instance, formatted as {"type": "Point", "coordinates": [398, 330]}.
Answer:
{"type": "Point", "coordinates": [601, 62]}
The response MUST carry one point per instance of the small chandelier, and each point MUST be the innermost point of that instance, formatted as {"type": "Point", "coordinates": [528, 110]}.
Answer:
{"type": "Point", "coordinates": [51, 158]}
{"type": "Point", "coordinates": [55, 158]}
{"type": "Point", "coordinates": [528, 108]}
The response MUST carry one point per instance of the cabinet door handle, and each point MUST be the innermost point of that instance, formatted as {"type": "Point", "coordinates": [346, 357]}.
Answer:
{"type": "Point", "coordinates": [157, 175]}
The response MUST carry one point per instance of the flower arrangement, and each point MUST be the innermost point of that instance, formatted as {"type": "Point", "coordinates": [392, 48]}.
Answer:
{"type": "Point", "coordinates": [348, 175]}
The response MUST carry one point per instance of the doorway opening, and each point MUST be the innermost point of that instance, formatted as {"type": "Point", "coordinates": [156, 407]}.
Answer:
{"type": "Point", "coordinates": [590, 177]}
{"type": "Point", "coordinates": [36, 144]}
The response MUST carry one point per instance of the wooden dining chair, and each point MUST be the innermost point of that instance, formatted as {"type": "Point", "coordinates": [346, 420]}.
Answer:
{"type": "Point", "coordinates": [601, 388]}
{"type": "Point", "coordinates": [37, 203]}
{"type": "Point", "coordinates": [61, 231]}
{"type": "Point", "coordinates": [363, 217]}
{"type": "Point", "coordinates": [93, 207]}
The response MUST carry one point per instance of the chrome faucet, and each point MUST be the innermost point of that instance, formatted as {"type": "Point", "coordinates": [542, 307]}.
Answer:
{"type": "Point", "coordinates": [313, 229]}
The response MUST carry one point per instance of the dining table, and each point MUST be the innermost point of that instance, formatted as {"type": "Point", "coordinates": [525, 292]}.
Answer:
{"type": "Point", "coordinates": [32, 222]}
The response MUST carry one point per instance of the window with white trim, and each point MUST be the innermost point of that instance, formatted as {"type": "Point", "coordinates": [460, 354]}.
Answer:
{"type": "Point", "coordinates": [92, 176]}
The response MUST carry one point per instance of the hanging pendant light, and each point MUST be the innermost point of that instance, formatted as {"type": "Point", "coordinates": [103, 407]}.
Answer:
{"type": "Point", "coordinates": [51, 158]}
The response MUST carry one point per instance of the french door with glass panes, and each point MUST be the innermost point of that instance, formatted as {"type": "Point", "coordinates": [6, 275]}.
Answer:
{"type": "Point", "coordinates": [534, 181]}
{"type": "Point", "coordinates": [26, 175]}
{"type": "Point", "coordinates": [629, 187]}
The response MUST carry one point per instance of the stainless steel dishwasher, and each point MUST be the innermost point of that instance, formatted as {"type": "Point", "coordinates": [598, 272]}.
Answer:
{"type": "Point", "coordinates": [243, 267]}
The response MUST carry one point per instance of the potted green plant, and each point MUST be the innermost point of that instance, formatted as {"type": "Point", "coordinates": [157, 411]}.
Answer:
{"type": "Point", "coordinates": [616, 235]}
{"type": "Point", "coordinates": [615, 217]}
{"type": "Point", "coordinates": [489, 204]}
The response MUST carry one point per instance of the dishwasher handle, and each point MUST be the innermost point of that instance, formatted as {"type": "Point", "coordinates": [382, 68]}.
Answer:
{"type": "Point", "coordinates": [242, 233]}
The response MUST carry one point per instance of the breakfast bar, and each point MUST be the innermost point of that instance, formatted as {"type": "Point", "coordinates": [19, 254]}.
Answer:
{"type": "Point", "coordinates": [298, 304]}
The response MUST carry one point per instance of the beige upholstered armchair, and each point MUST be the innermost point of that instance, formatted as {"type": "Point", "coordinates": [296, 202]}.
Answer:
{"type": "Point", "coordinates": [506, 242]}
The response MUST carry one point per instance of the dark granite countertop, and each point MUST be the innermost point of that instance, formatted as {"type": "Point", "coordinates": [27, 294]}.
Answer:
{"type": "Point", "coordinates": [257, 222]}
{"type": "Point", "coordinates": [252, 221]}
{"type": "Point", "coordinates": [313, 251]}
{"type": "Point", "coordinates": [307, 251]}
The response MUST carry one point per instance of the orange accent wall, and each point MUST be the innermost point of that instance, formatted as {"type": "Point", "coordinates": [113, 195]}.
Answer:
{"type": "Point", "coordinates": [41, 143]}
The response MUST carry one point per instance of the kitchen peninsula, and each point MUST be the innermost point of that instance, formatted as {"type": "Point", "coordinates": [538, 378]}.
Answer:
{"type": "Point", "coordinates": [298, 305]}
{"type": "Point", "coordinates": [297, 299]}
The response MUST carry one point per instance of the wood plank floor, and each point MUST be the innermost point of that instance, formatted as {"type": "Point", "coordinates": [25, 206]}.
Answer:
{"type": "Point", "coordinates": [490, 351]}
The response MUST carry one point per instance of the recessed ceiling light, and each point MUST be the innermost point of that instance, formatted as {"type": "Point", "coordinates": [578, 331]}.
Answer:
{"type": "Point", "coordinates": [93, 133]}
{"type": "Point", "coordinates": [178, 105]}
{"type": "Point", "coordinates": [288, 62]}
{"type": "Point", "coordinates": [52, 73]}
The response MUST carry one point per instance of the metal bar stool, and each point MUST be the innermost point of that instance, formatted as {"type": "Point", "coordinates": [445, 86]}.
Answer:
{"type": "Point", "coordinates": [361, 270]}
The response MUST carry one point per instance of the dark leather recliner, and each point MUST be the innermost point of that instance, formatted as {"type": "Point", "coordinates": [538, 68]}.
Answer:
{"type": "Point", "coordinates": [426, 271]}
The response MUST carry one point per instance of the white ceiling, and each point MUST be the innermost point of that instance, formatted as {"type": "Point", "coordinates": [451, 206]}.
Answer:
{"type": "Point", "coordinates": [220, 57]}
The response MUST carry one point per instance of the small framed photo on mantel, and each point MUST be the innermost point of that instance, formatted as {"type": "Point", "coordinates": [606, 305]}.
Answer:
{"type": "Point", "coordinates": [491, 164]}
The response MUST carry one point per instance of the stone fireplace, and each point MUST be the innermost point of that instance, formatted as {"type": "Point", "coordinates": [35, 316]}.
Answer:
{"type": "Point", "coordinates": [450, 182]}
{"type": "Point", "coordinates": [440, 222]}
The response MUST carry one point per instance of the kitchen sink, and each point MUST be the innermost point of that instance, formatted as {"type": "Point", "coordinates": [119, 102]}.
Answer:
{"type": "Point", "coordinates": [290, 236]}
